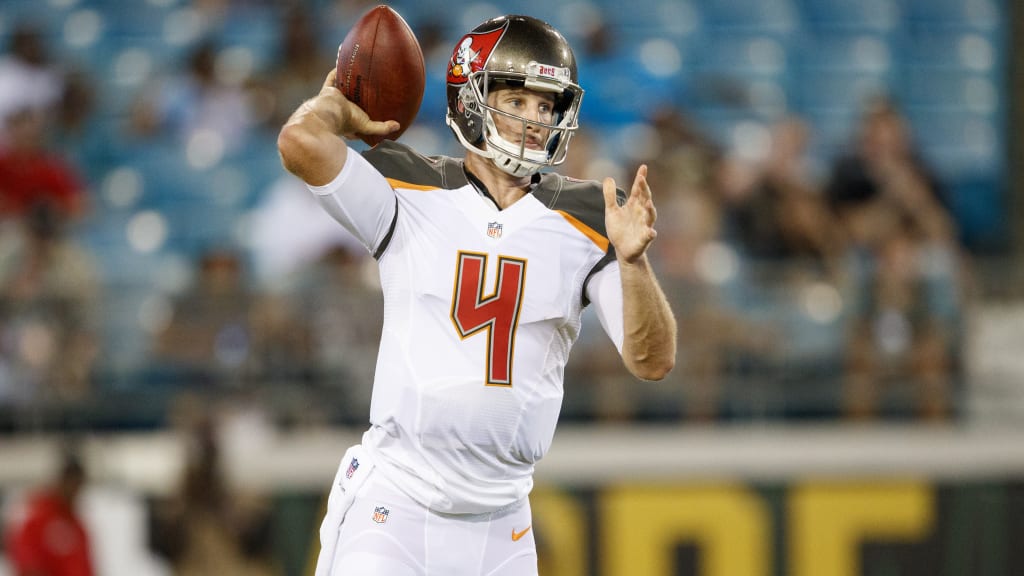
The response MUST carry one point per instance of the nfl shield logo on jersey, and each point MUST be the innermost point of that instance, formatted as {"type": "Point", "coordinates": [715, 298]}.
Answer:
{"type": "Point", "coordinates": [494, 229]}
{"type": "Point", "coordinates": [380, 514]}
{"type": "Point", "coordinates": [352, 467]}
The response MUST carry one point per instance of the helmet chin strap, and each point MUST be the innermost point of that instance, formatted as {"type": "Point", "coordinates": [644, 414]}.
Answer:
{"type": "Point", "coordinates": [513, 166]}
{"type": "Point", "coordinates": [506, 163]}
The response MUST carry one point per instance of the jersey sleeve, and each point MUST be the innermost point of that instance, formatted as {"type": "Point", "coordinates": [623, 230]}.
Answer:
{"type": "Point", "coordinates": [361, 199]}
{"type": "Point", "coordinates": [604, 290]}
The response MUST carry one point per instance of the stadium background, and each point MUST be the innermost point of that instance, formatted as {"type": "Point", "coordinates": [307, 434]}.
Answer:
{"type": "Point", "coordinates": [770, 476]}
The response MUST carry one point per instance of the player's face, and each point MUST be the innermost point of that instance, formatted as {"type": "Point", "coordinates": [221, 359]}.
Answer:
{"type": "Point", "coordinates": [528, 104]}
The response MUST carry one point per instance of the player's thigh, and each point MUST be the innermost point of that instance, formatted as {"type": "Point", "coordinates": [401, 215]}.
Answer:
{"type": "Point", "coordinates": [370, 563]}
{"type": "Point", "coordinates": [511, 549]}
{"type": "Point", "coordinates": [382, 535]}
{"type": "Point", "coordinates": [524, 564]}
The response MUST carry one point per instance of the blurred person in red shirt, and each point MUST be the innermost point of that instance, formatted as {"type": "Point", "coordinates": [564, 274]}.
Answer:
{"type": "Point", "coordinates": [50, 539]}
{"type": "Point", "coordinates": [30, 173]}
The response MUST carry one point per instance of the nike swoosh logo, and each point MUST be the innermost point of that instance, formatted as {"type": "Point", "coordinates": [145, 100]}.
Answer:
{"type": "Point", "coordinates": [517, 535]}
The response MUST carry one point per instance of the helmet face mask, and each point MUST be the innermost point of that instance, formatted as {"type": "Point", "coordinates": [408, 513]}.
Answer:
{"type": "Point", "coordinates": [513, 52]}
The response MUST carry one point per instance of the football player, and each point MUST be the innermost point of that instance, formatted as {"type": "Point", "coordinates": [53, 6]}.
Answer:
{"type": "Point", "coordinates": [486, 264]}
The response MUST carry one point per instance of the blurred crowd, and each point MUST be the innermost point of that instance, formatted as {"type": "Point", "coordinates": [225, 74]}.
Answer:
{"type": "Point", "coordinates": [800, 292]}
{"type": "Point", "coordinates": [798, 295]}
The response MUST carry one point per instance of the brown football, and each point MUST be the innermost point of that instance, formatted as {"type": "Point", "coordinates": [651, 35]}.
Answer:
{"type": "Point", "coordinates": [381, 69]}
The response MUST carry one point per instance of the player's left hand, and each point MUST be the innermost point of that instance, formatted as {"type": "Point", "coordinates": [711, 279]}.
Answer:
{"type": "Point", "coordinates": [630, 227]}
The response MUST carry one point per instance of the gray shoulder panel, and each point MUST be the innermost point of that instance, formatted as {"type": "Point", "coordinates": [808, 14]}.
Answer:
{"type": "Point", "coordinates": [400, 162]}
{"type": "Point", "coordinates": [584, 201]}
{"type": "Point", "coordinates": [581, 199]}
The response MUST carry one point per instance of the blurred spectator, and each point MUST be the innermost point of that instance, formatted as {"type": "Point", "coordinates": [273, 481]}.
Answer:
{"type": "Point", "coordinates": [282, 347]}
{"type": "Point", "coordinates": [690, 173]}
{"type": "Point", "coordinates": [597, 387]}
{"type": "Point", "coordinates": [77, 133]}
{"type": "Point", "coordinates": [49, 286]}
{"type": "Point", "coordinates": [907, 270]}
{"type": "Point", "coordinates": [27, 77]}
{"type": "Point", "coordinates": [289, 231]}
{"type": "Point", "coordinates": [299, 72]}
{"type": "Point", "coordinates": [209, 527]}
{"type": "Point", "coordinates": [209, 336]}
{"type": "Point", "coordinates": [49, 310]}
{"type": "Point", "coordinates": [222, 330]}
{"type": "Point", "coordinates": [700, 267]}
{"type": "Point", "coordinates": [343, 306]}
{"type": "Point", "coordinates": [30, 173]}
{"type": "Point", "coordinates": [50, 537]}
{"type": "Point", "coordinates": [586, 160]}
{"type": "Point", "coordinates": [790, 253]}
{"type": "Point", "coordinates": [76, 103]}
{"type": "Point", "coordinates": [599, 39]}
{"type": "Point", "coordinates": [783, 217]}
{"type": "Point", "coordinates": [61, 97]}
{"type": "Point", "coordinates": [206, 105]}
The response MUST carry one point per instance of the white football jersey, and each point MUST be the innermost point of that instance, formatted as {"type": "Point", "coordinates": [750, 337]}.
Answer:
{"type": "Point", "coordinates": [481, 307]}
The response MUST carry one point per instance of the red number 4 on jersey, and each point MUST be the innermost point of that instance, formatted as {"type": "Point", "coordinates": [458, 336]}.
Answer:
{"type": "Point", "coordinates": [497, 313]}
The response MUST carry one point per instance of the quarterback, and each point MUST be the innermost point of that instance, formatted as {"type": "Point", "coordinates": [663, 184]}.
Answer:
{"type": "Point", "coordinates": [486, 264]}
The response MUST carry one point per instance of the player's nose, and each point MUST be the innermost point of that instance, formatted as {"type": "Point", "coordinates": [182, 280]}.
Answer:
{"type": "Point", "coordinates": [534, 111]}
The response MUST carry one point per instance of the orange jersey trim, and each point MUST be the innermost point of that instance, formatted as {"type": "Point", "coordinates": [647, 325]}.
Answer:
{"type": "Point", "coordinates": [589, 232]}
{"type": "Point", "coordinates": [396, 184]}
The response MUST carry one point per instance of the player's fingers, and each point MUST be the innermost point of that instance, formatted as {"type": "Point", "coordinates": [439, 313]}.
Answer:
{"type": "Point", "coordinates": [379, 128]}
{"type": "Point", "coordinates": [640, 187]}
{"type": "Point", "coordinates": [609, 193]}
{"type": "Point", "coordinates": [329, 81]}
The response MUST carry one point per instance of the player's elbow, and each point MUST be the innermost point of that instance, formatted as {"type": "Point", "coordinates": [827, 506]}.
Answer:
{"type": "Point", "coordinates": [655, 373]}
{"type": "Point", "coordinates": [294, 145]}
{"type": "Point", "coordinates": [314, 156]}
{"type": "Point", "coordinates": [652, 367]}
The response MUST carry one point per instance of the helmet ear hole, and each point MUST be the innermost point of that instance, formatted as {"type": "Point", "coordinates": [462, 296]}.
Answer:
{"type": "Point", "coordinates": [552, 146]}
{"type": "Point", "coordinates": [564, 101]}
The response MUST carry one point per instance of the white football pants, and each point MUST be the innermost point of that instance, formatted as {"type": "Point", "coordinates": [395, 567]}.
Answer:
{"type": "Point", "coordinates": [379, 531]}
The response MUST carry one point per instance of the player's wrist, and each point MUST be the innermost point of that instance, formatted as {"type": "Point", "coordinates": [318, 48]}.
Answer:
{"type": "Point", "coordinates": [331, 108]}
{"type": "Point", "coordinates": [633, 261]}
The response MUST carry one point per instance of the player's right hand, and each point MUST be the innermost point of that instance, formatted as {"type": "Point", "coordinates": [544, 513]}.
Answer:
{"type": "Point", "coordinates": [351, 121]}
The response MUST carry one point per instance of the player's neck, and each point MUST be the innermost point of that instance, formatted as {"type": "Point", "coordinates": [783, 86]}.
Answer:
{"type": "Point", "coordinates": [503, 188]}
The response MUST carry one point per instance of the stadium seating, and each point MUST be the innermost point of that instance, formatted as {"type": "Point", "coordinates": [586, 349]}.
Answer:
{"type": "Point", "coordinates": [723, 61]}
